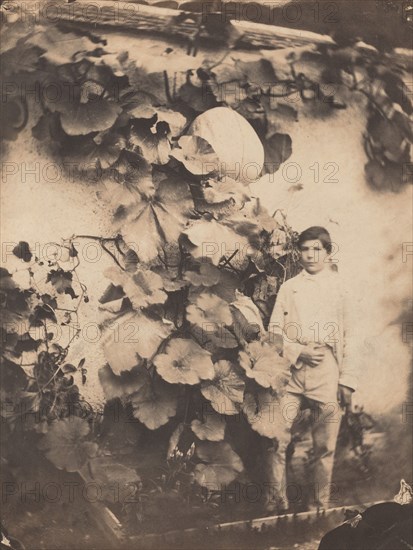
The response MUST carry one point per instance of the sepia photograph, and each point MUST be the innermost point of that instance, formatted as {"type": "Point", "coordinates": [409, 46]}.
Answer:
{"type": "Point", "coordinates": [206, 275]}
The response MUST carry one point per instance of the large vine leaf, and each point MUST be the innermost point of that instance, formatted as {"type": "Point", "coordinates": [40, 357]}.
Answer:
{"type": "Point", "coordinates": [208, 275]}
{"type": "Point", "coordinates": [222, 191]}
{"type": "Point", "coordinates": [82, 112]}
{"type": "Point", "coordinates": [176, 121]}
{"type": "Point", "coordinates": [171, 282]}
{"type": "Point", "coordinates": [212, 428]}
{"type": "Point", "coordinates": [387, 138]}
{"type": "Point", "coordinates": [226, 390]}
{"type": "Point", "coordinates": [117, 62]}
{"type": "Point", "coordinates": [156, 220]}
{"type": "Point", "coordinates": [211, 318]}
{"type": "Point", "coordinates": [215, 336]}
{"type": "Point", "coordinates": [247, 318]}
{"type": "Point", "coordinates": [135, 175]}
{"type": "Point", "coordinates": [132, 337]}
{"type": "Point", "coordinates": [280, 116]}
{"type": "Point", "coordinates": [220, 466]}
{"type": "Point", "coordinates": [152, 140]}
{"type": "Point", "coordinates": [102, 150]}
{"type": "Point", "coordinates": [113, 301]}
{"type": "Point", "coordinates": [210, 321]}
{"type": "Point", "coordinates": [209, 309]}
{"type": "Point", "coordinates": [251, 220]}
{"type": "Point", "coordinates": [263, 364]}
{"type": "Point", "coordinates": [15, 304]}
{"type": "Point", "coordinates": [227, 285]}
{"type": "Point", "coordinates": [152, 84]}
{"type": "Point", "coordinates": [221, 282]}
{"type": "Point", "coordinates": [119, 386]}
{"type": "Point", "coordinates": [259, 72]}
{"type": "Point", "coordinates": [386, 176]}
{"type": "Point", "coordinates": [278, 148]}
{"type": "Point", "coordinates": [219, 197]}
{"type": "Point", "coordinates": [139, 106]}
{"type": "Point", "coordinates": [264, 414]}
{"type": "Point", "coordinates": [196, 155]}
{"type": "Point", "coordinates": [16, 58]}
{"type": "Point", "coordinates": [64, 444]}
{"type": "Point", "coordinates": [155, 402]}
{"type": "Point", "coordinates": [212, 240]}
{"type": "Point", "coordinates": [83, 118]}
{"type": "Point", "coordinates": [193, 94]}
{"type": "Point", "coordinates": [184, 362]}
{"type": "Point", "coordinates": [13, 379]}
{"type": "Point", "coordinates": [61, 48]}
{"type": "Point", "coordinates": [143, 288]}
{"type": "Point", "coordinates": [395, 85]}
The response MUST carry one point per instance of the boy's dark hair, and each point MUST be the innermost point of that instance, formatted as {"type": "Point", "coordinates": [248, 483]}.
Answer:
{"type": "Point", "coordinates": [316, 233]}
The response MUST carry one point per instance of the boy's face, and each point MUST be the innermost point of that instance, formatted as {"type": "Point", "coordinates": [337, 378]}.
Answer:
{"type": "Point", "coordinates": [313, 256]}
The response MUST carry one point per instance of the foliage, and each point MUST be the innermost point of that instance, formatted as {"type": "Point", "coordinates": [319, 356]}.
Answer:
{"type": "Point", "coordinates": [116, 114]}
{"type": "Point", "coordinates": [199, 288]}
{"type": "Point", "coordinates": [64, 444]}
{"type": "Point", "coordinates": [36, 375]}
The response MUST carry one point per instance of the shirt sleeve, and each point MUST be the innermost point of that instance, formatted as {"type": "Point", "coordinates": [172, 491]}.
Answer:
{"type": "Point", "coordinates": [349, 371]}
{"type": "Point", "coordinates": [291, 350]}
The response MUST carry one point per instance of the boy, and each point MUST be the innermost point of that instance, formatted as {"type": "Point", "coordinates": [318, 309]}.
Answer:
{"type": "Point", "coordinates": [310, 315]}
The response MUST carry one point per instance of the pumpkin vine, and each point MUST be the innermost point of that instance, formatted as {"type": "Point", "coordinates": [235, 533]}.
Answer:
{"type": "Point", "coordinates": [185, 312]}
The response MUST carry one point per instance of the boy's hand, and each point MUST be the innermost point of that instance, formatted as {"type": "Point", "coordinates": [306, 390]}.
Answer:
{"type": "Point", "coordinates": [344, 397]}
{"type": "Point", "coordinates": [313, 354]}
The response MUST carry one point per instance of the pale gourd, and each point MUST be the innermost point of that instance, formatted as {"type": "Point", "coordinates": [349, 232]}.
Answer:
{"type": "Point", "coordinates": [235, 142]}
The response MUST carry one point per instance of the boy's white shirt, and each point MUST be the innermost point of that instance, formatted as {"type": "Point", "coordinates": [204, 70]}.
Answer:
{"type": "Point", "coordinates": [314, 308]}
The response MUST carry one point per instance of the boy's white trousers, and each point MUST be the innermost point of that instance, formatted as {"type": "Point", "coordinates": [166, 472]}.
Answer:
{"type": "Point", "coordinates": [315, 387]}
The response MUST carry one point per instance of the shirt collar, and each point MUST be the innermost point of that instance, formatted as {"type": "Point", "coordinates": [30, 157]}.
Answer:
{"type": "Point", "coordinates": [326, 272]}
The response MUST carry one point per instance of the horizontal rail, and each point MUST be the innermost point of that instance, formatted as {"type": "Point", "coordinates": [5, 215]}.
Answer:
{"type": "Point", "coordinates": [115, 535]}
{"type": "Point", "coordinates": [171, 538]}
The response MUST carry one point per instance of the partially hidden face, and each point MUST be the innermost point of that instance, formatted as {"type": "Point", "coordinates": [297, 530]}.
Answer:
{"type": "Point", "coordinates": [314, 257]}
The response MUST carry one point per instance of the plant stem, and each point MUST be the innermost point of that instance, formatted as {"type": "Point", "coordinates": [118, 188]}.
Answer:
{"type": "Point", "coordinates": [167, 89]}
{"type": "Point", "coordinates": [102, 241]}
